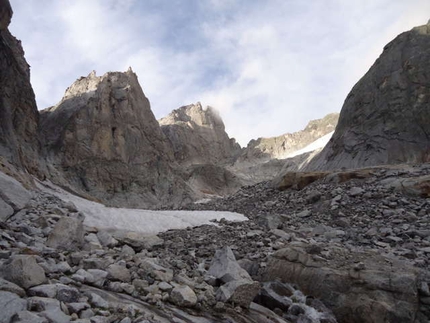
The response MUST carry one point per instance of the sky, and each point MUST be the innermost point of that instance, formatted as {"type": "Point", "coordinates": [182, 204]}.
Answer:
{"type": "Point", "coordinates": [268, 66]}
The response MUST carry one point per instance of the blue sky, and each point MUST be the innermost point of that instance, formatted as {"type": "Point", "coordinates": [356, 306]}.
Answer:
{"type": "Point", "coordinates": [268, 66]}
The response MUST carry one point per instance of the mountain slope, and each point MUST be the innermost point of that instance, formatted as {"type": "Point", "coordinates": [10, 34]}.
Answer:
{"type": "Point", "coordinates": [19, 144]}
{"type": "Point", "coordinates": [386, 117]}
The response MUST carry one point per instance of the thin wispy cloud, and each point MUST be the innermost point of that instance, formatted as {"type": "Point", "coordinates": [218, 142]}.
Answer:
{"type": "Point", "coordinates": [267, 66]}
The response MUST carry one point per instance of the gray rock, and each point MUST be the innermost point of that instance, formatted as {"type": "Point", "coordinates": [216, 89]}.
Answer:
{"type": "Point", "coordinates": [98, 276]}
{"type": "Point", "coordinates": [13, 193]}
{"type": "Point", "coordinates": [117, 272]}
{"type": "Point", "coordinates": [67, 294]}
{"type": "Point", "coordinates": [68, 234]}
{"type": "Point", "coordinates": [40, 304]}
{"type": "Point", "coordinates": [98, 301]}
{"type": "Point", "coordinates": [56, 315]}
{"type": "Point", "coordinates": [225, 267]}
{"type": "Point", "coordinates": [10, 305]}
{"type": "Point", "coordinates": [127, 251]}
{"type": "Point", "coordinates": [7, 286]}
{"type": "Point", "coordinates": [49, 291]}
{"type": "Point", "coordinates": [24, 271]}
{"type": "Point", "coordinates": [6, 210]}
{"type": "Point", "coordinates": [77, 307]}
{"type": "Point", "coordinates": [355, 191]}
{"type": "Point", "coordinates": [138, 240]}
{"type": "Point", "coordinates": [239, 292]}
{"type": "Point", "coordinates": [28, 317]}
{"type": "Point", "coordinates": [106, 239]}
{"type": "Point", "coordinates": [335, 283]}
{"type": "Point", "coordinates": [183, 296]}
{"type": "Point", "coordinates": [275, 295]}
{"type": "Point", "coordinates": [158, 272]}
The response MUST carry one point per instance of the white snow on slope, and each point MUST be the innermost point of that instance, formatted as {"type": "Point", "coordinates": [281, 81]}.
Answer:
{"type": "Point", "coordinates": [319, 143]}
{"type": "Point", "coordinates": [144, 221]}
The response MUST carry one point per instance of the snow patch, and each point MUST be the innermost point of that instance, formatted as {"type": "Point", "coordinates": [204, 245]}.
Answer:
{"type": "Point", "coordinates": [319, 143]}
{"type": "Point", "coordinates": [144, 221]}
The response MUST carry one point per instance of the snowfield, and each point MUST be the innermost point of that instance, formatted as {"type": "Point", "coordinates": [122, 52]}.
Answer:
{"type": "Point", "coordinates": [317, 144]}
{"type": "Point", "coordinates": [138, 220]}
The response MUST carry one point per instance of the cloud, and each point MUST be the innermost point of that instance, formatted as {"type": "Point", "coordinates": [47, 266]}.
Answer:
{"type": "Point", "coordinates": [269, 67]}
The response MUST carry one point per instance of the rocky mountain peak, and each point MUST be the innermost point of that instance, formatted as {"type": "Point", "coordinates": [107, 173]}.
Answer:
{"type": "Point", "coordinates": [197, 135]}
{"type": "Point", "coordinates": [88, 85]}
{"type": "Point", "coordinates": [195, 114]}
{"type": "Point", "coordinates": [105, 141]}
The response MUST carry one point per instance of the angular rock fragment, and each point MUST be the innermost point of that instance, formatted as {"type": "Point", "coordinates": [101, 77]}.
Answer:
{"type": "Point", "coordinates": [24, 271]}
{"type": "Point", "coordinates": [68, 235]}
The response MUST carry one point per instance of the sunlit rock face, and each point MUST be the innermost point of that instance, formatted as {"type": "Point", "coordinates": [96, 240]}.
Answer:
{"type": "Point", "coordinates": [104, 140]}
{"type": "Point", "coordinates": [19, 143]}
{"type": "Point", "coordinates": [264, 158]}
{"type": "Point", "coordinates": [202, 148]}
{"type": "Point", "coordinates": [283, 146]}
{"type": "Point", "coordinates": [385, 118]}
{"type": "Point", "coordinates": [197, 136]}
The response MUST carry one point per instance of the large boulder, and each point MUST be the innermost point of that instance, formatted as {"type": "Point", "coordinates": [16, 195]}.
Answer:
{"type": "Point", "coordinates": [385, 118]}
{"type": "Point", "coordinates": [67, 235]}
{"type": "Point", "coordinates": [183, 296]}
{"type": "Point", "coordinates": [225, 268]}
{"type": "Point", "coordinates": [106, 143]}
{"type": "Point", "coordinates": [240, 292]}
{"type": "Point", "coordinates": [24, 271]}
{"type": "Point", "coordinates": [379, 290]}
{"type": "Point", "coordinates": [13, 196]}
{"type": "Point", "coordinates": [10, 305]}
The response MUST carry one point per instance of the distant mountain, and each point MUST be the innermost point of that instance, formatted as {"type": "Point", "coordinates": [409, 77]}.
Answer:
{"type": "Point", "coordinates": [288, 144]}
{"type": "Point", "coordinates": [386, 117]}
{"type": "Point", "coordinates": [197, 136]}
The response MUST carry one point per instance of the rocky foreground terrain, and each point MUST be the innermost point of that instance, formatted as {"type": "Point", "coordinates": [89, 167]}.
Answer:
{"type": "Point", "coordinates": [352, 246]}
{"type": "Point", "coordinates": [318, 246]}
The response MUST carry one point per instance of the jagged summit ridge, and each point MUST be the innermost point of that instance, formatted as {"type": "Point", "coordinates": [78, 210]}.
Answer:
{"type": "Point", "coordinates": [282, 146]}
{"type": "Point", "coordinates": [197, 136]}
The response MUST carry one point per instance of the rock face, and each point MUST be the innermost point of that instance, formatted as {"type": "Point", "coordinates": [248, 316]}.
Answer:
{"type": "Point", "coordinates": [263, 159]}
{"type": "Point", "coordinates": [202, 148]}
{"type": "Point", "coordinates": [19, 117]}
{"type": "Point", "coordinates": [13, 196]}
{"type": "Point", "coordinates": [105, 141]}
{"type": "Point", "coordinates": [284, 146]}
{"type": "Point", "coordinates": [385, 118]}
{"type": "Point", "coordinates": [197, 136]}
{"type": "Point", "coordinates": [380, 290]}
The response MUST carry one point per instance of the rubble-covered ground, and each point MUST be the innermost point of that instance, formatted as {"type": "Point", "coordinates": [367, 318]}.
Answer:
{"type": "Point", "coordinates": [369, 231]}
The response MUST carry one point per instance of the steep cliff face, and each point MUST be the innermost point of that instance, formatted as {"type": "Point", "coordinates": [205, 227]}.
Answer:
{"type": "Point", "coordinates": [386, 117]}
{"type": "Point", "coordinates": [104, 140]}
{"type": "Point", "coordinates": [19, 143]}
{"type": "Point", "coordinates": [283, 146]}
{"type": "Point", "coordinates": [197, 136]}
